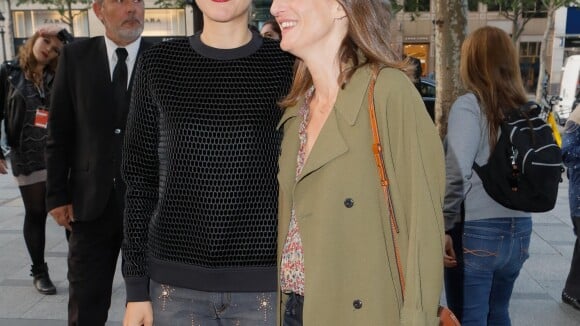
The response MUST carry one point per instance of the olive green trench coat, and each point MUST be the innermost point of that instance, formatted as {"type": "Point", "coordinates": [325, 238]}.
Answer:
{"type": "Point", "coordinates": [351, 275]}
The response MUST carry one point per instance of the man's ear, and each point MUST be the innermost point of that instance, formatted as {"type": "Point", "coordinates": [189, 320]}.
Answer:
{"type": "Point", "coordinates": [97, 7]}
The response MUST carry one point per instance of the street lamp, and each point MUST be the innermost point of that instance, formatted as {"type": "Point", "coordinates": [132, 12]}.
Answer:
{"type": "Point", "coordinates": [2, 19]}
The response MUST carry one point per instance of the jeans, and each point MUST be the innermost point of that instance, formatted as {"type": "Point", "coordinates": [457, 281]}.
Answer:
{"type": "Point", "coordinates": [293, 311]}
{"type": "Point", "coordinates": [174, 306]}
{"type": "Point", "coordinates": [572, 287]}
{"type": "Point", "coordinates": [494, 251]}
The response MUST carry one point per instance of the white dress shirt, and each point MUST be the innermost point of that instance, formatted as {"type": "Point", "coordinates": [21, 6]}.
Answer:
{"type": "Point", "coordinates": [132, 50]}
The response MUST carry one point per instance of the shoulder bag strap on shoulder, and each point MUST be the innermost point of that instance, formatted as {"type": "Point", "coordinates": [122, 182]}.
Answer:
{"type": "Point", "coordinates": [378, 153]}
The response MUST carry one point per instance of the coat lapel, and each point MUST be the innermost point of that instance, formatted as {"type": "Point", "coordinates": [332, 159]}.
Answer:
{"type": "Point", "coordinates": [100, 79]}
{"type": "Point", "coordinates": [290, 144]}
{"type": "Point", "coordinates": [102, 61]}
{"type": "Point", "coordinates": [329, 145]}
{"type": "Point", "coordinates": [331, 142]}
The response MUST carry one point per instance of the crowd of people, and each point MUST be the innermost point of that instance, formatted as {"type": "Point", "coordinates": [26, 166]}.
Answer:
{"type": "Point", "coordinates": [234, 170]}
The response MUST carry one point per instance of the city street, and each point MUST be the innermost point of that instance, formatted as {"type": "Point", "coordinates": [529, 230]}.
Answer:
{"type": "Point", "coordinates": [536, 298]}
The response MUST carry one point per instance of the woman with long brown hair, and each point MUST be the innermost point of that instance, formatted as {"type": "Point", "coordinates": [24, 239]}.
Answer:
{"type": "Point", "coordinates": [336, 256]}
{"type": "Point", "coordinates": [25, 85]}
{"type": "Point", "coordinates": [484, 259]}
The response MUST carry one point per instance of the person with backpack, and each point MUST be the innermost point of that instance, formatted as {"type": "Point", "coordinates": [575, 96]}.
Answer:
{"type": "Point", "coordinates": [486, 243]}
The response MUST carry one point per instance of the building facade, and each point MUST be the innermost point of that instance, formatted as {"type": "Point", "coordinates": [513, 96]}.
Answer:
{"type": "Point", "coordinates": [413, 30]}
{"type": "Point", "coordinates": [21, 21]}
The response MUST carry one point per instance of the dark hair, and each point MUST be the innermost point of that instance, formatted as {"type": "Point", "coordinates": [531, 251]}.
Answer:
{"type": "Point", "coordinates": [275, 26]}
{"type": "Point", "coordinates": [64, 36]}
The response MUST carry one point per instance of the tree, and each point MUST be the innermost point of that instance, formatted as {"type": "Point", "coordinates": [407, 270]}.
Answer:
{"type": "Point", "coordinates": [64, 8]}
{"type": "Point", "coordinates": [172, 3]}
{"type": "Point", "coordinates": [519, 12]}
{"type": "Point", "coordinates": [450, 32]}
{"type": "Point", "coordinates": [551, 7]}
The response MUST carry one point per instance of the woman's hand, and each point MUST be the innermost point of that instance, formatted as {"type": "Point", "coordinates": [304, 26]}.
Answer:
{"type": "Point", "coordinates": [449, 259]}
{"type": "Point", "coordinates": [3, 167]}
{"type": "Point", "coordinates": [138, 314]}
{"type": "Point", "coordinates": [49, 30]}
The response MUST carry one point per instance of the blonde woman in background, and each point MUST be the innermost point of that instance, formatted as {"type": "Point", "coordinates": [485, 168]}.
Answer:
{"type": "Point", "coordinates": [25, 89]}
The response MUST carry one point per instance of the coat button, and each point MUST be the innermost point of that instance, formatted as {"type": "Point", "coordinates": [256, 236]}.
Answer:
{"type": "Point", "coordinates": [349, 202]}
{"type": "Point", "coordinates": [357, 304]}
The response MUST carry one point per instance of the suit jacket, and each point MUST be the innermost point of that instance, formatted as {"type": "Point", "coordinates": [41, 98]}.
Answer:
{"type": "Point", "coordinates": [85, 131]}
{"type": "Point", "coordinates": [342, 215]}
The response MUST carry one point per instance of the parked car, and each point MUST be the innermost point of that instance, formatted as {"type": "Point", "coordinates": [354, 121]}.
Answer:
{"type": "Point", "coordinates": [427, 91]}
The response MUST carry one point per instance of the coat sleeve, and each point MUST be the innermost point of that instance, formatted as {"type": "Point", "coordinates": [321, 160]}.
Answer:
{"type": "Point", "coordinates": [571, 144]}
{"type": "Point", "coordinates": [140, 171]}
{"type": "Point", "coordinates": [416, 152]}
{"type": "Point", "coordinates": [61, 135]}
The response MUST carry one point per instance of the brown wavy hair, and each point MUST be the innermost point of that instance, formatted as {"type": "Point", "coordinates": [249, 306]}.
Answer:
{"type": "Point", "coordinates": [28, 62]}
{"type": "Point", "coordinates": [490, 69]}
{"type": "Point", "coordinates": [368, 34]}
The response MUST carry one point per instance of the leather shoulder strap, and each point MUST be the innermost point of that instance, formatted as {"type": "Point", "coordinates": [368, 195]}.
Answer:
{"type": "Point", "coordinates": [378, 153]}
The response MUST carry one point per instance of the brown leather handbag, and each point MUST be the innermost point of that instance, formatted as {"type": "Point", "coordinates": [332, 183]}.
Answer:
{"type": "Point", "coordinates": [446, 316]}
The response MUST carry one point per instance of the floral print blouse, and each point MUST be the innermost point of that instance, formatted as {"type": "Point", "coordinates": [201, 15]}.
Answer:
{"type": "Point", "coordinates": [292, 267]}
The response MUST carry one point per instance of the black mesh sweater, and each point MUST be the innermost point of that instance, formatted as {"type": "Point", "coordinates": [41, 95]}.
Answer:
{"type": "Point", "coordinates": [200, 163]}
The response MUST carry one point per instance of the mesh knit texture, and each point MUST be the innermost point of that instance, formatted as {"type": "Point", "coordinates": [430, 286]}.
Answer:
{"type": "Point", "coordinates": [200, 162]}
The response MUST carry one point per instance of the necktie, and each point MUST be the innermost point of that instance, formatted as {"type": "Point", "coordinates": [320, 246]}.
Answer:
{"type": "Point", "coordinates": [120, 99]}
{"type": "Point", "coordinates": [120, 76]}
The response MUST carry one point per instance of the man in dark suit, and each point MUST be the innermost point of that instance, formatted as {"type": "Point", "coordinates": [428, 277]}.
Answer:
{"type": "Point", "coordinates": [85, 193]}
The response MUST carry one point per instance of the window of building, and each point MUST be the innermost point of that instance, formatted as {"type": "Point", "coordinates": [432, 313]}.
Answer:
{"type": "Point", "coordinates": [472, 5]}
{"type": "Point", "coordinates": [492, 7]}
{"type": "Point", "coordinates": [536, 10]}
{"type": "Point", "coordinates": [499, 5]}
{"type": "Point", "coordinates": [26, 22]}
{"type": "Point", "coordinates": [164, 22]}
{"type": "Point", "coordinates": [530, 64]}
{"type": "Point", "coordinates": [417, 5]}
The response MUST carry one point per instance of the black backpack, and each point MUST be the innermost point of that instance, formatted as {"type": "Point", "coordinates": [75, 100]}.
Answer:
{"type": "Point", "coordinates": [525, 167]}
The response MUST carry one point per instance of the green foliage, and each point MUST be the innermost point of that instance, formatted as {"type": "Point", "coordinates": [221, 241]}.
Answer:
{"type": "Point", "coordinates": [395, 7]}
{"type": "Point", "coordinates": [416, 5]}
{"type": "Point", "coordinates": [521, 11]}
{"type": "Point", "coordinates": [526, 7]}
{"type": "Point", "coordinates": [171, 3]}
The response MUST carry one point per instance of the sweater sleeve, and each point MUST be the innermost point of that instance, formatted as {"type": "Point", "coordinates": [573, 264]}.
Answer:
{"type": "Point", "coordinates": [461, 146]}
{"type": "Point", "coordinates": [140, 170]}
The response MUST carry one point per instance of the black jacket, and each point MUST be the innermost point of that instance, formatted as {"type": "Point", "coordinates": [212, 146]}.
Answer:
{"type": "Point", "coordinates": [85, 132]}
{"type": "Point", "coordinates": [12, 87]}
{"type": "Point", "coordinates": [19, 101]}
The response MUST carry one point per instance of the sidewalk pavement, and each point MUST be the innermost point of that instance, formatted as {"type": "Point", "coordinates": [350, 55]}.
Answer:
{"type": "Point", "coordinates": [535, 301]}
